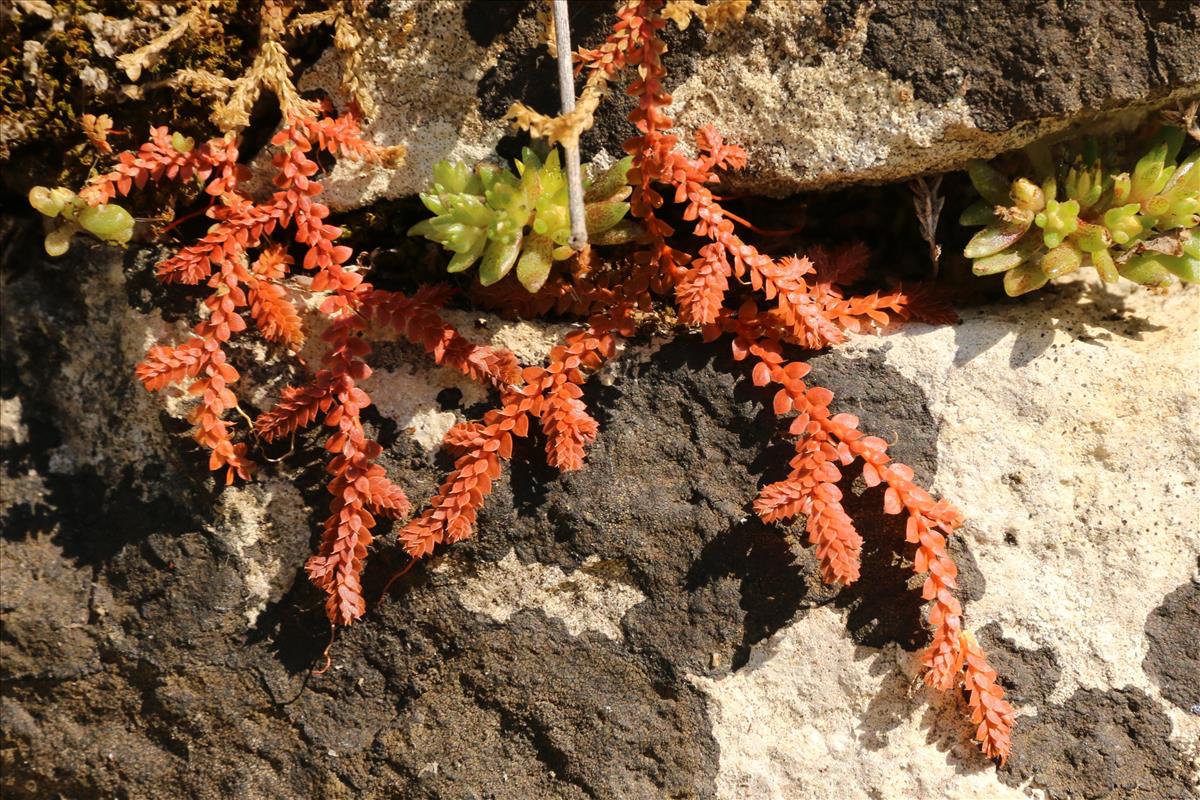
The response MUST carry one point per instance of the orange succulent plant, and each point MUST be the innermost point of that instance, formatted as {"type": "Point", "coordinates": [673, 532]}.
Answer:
{"type": "Point", "coordinates": [727, 287]}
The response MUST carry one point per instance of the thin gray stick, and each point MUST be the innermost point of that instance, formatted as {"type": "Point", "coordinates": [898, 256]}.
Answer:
{"type": "Point", "coordinates": [566, 93]}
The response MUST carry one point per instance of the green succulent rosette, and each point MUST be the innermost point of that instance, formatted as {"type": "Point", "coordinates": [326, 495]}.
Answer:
{"type": "Point", "coordinates": [503, 219]}
{"type": "Point", "coordinates": [1139, 224]}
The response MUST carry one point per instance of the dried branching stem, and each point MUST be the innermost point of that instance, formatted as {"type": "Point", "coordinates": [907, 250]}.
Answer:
{"type": "Point", "coordinates": [928, 202]}
{"type": "Point", "coordinates": [148, 54]}
{"type": "Point", "coordinates": [1185, 117]}
{"type": "Point", "coordinates": [235, 97]}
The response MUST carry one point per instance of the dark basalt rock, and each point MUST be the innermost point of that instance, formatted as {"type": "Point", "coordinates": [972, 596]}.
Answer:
{"type": "Point", "coordinates": [1027, 675]}
{"type": "Point", "coordinates": [1100, 744]}
{"type": "Point", "coordinates": [129, 670]}
{"type": "Point", "coordinates": [1174, 658]}
{"type": "Point", "coordinates": [1024, 60]}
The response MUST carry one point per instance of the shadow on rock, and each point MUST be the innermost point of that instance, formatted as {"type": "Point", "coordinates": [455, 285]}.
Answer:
{"type": "Point", "coordinates": [1082, 310]}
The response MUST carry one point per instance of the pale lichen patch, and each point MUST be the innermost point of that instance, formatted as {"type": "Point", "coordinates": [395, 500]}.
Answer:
{"type": "Point", "coordinates": [12, 429]}
{"type": "Point", "coordinates": [582, 600]}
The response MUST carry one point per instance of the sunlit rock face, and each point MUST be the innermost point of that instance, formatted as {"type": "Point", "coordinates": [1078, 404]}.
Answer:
{"type": "Point", "coordinates": [629, 630]}
{"type": "Point", "coordinates": [822, 93]}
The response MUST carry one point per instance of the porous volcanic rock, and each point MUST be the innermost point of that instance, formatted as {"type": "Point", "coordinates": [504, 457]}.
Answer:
{"type": "Point", "coordinates": [629, 630]}
{"type": "Point", "coordinates": [822, 93]}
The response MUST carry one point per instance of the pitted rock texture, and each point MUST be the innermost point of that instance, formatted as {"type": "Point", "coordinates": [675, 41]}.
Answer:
{"type": "Point", "coordinates": [822, 93]}
{"type": "Point", "coordinates": [1102, 744]}
{"type": "Point", "coordinates": [159, 637]}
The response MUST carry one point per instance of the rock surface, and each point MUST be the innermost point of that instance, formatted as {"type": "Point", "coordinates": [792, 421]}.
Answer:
{"type": "Point", "coordinates": [822, 93]}
{"type": "Point", "coordinates": [629, 630]}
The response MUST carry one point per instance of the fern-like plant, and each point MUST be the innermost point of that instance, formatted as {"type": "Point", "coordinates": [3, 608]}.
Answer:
{"type": "Point", "coordinates": [724, 286]}
{"type": "Point", "coordinates": [518, 219]}
{"type": "Point", "coordinates": [1081, 211]}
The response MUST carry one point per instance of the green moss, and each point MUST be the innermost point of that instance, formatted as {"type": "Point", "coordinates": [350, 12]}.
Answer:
{"type": "Point", "coordinates": [40, 130]}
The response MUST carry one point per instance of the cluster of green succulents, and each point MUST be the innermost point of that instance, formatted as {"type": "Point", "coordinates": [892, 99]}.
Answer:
{"type": "Point", "coordinates": [108, 223]}
{"type": "Point", "coordinates": [520, 219]}
{"type": "Point", "coordinates": [1137, 225]}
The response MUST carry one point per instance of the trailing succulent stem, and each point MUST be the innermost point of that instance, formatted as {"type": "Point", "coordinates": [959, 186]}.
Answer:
{"type": "Point", "coordinates": [708, 277]}
{"type": "Point", "coordinates": [1137, 224]}
{"type": "Point", "coordinates": [521, 219]}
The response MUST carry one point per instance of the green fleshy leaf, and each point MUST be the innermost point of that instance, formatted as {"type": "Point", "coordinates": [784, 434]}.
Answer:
{"type": "Point", "coordinates": [554, 180]}
{"type": "Point", "coordinates": [498, 259]}
{"type": "Point", "coordinates": [1185, 267]}
{"type": "Point", "coordinates": [1000, 262]}
{"type": "Point", "coordinates": [1122, 186]}
{"type": "Point", "coordinates": [488, 175]}
{"type": "Point", "coordinates": [470, 210]}
{"type": "Point", "coordinates": [1157, 206]}
{"type": "Point", "coordinates": [978, 213]}
{"type": "Point", "coordinates": [1123, 223]}
{"type": "Point", "coordinates": [47, 202]}
{"type": "Point", "coordinates": [531, 181]}
{"type": "Point", "coordinates": [1157, 269]}
{"type": "Point", "coordinates": [433, 202]}
{"type": "Point", "coordinates": [485, 213]}
{"type": "Point", "coordinates": [528, 162]}
{"type": "Point", "coordinates": [72, 208]}
{"type": "Point", "coordinates": [1102, 260]}
{"type": "Point", "coordinates": [994, 238]}
{"type": "Point", "coordinates": [613, 180]}
{"type": "Point", "coordinates": [1090, 238]}
{"type": "Point", "coordinates": [599, 217]}
{"type": "Point", "coordinates": [1062, 260]}
{"type": "Point", "coordinates": [424, 228]}
{"type": "Point", "coordinates": [536, 260]}
{"type": "Point", "coordinates": [1092, 215]}
{"type": "Point", "coordinates": [1028, 195]}
{"type": "Point", "coordinates": [553, 220]}
{"type": "Point", "coordinates": [1085, 185]}
{"type": "Point", "coordinates": [1185, 181]}
{"type": "Point", "coordinates": [1014, 256]}
{"type": "Point", "coordinates": [464, 259]}
{"type": "Point", "coordinates": [1187, 217]}
{"type": "Point", "coordinates": [990, 184]}
{"type": "Point", "coordinates": [58, 241]}
{"type": "Point", "coordinates": [106, 222]}
{"type": "Point", "coordinates": [1023, 279]}
{"type": "Point", "coordinates": [455, 177]}
{"type": "Point", "coordinates": [182, 144]}
{"type": "Point", "coordinates": [468, 239]}
{"type": "Point", "coordinates": [1148, 270]}
{"type": "Point", "coordinates": [624, 232]}
{"type": "Point", "coordinates": [1147, 173]}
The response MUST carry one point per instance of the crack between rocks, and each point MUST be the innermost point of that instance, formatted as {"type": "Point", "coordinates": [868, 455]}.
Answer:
{"type": "Point", "coordinates": [1151, 45]}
